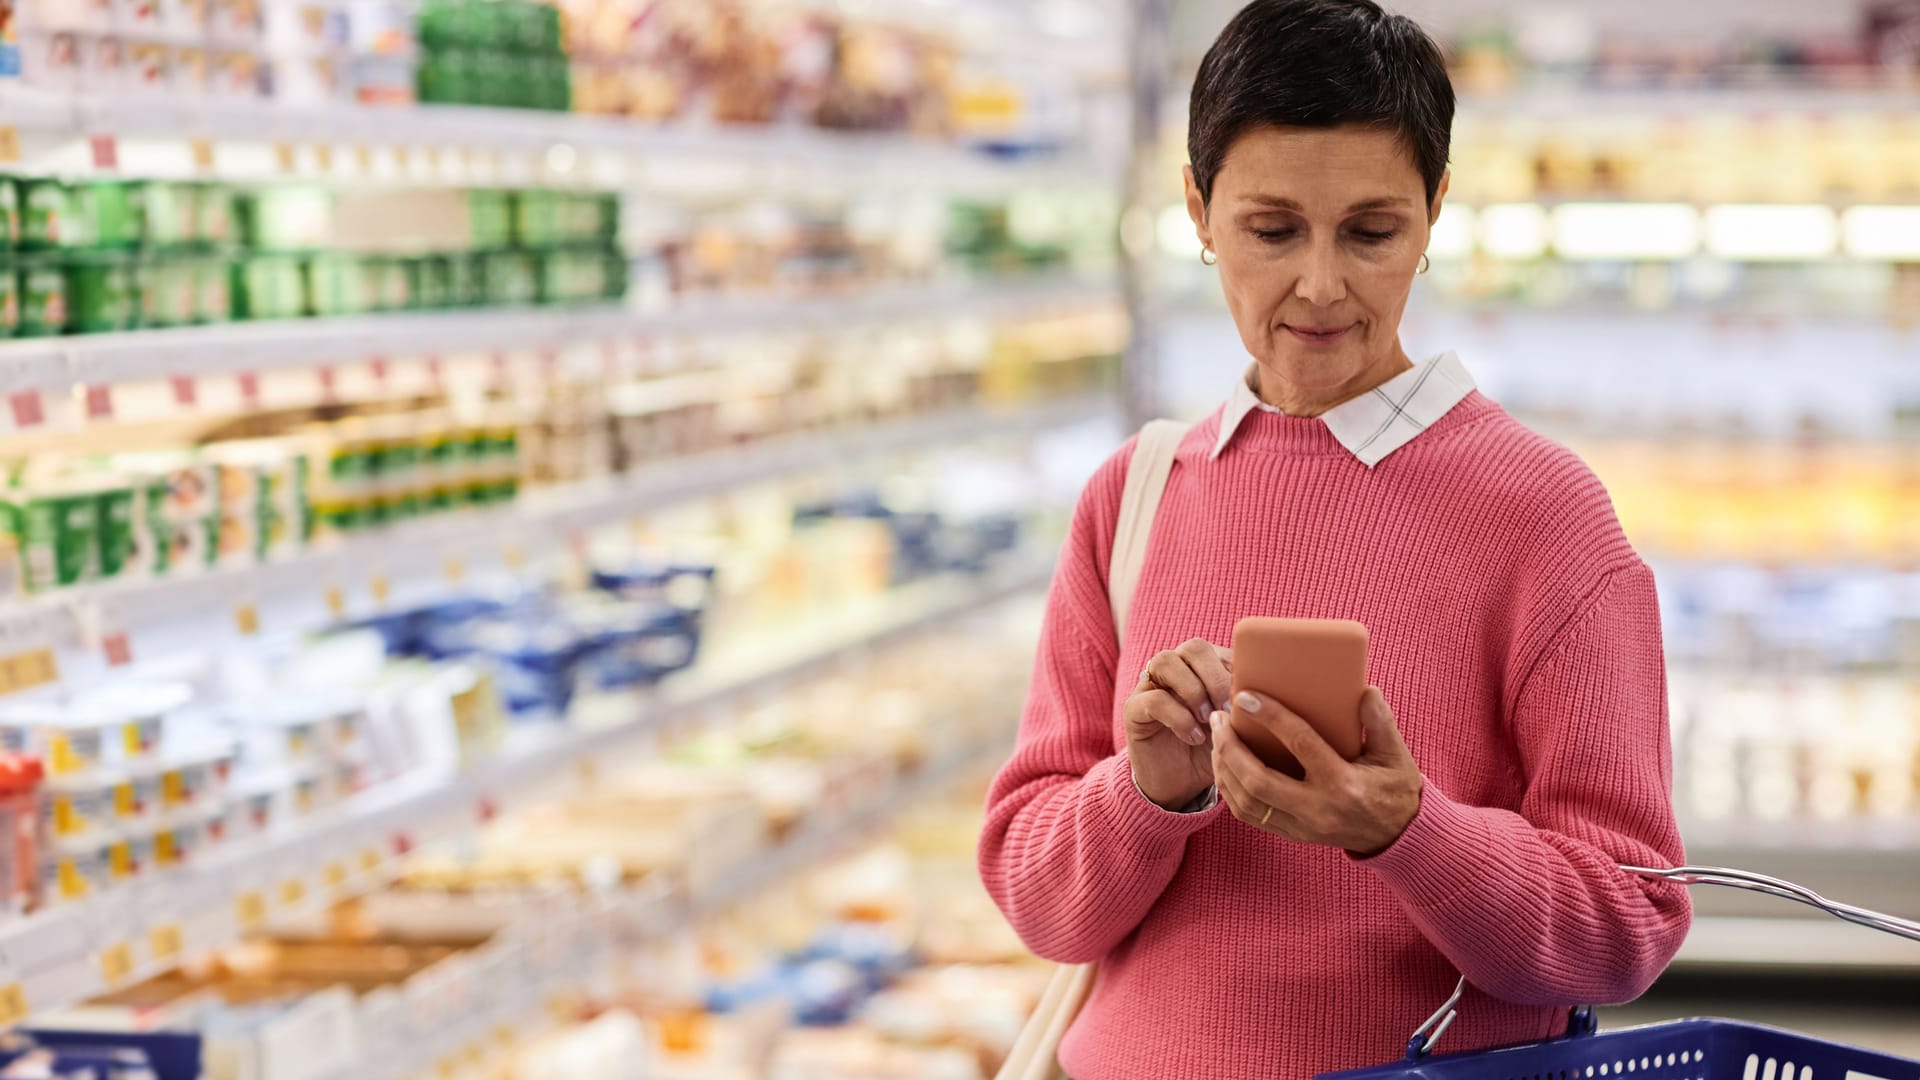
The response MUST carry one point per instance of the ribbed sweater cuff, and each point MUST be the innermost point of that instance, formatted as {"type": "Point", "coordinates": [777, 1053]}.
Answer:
{"type": "Point", "coordinates": [1438, 856]}
{"type": "Point", "coordinates": [1141, 826]}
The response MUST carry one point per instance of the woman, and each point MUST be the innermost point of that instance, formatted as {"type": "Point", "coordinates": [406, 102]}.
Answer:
{"type": "Point", "coordinates": [1246, 924]}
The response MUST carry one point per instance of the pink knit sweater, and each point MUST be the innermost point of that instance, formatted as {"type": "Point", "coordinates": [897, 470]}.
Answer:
{"type": "Point", "coordinates": [1515, 635]}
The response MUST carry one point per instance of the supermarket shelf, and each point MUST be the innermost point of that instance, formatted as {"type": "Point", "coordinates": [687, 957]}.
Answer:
{"type": "Point", "coordinates": [61, 957]}
{"type": "Point", "coordinates": [57, 365]}
{"type": "Point", "coordinates": [412, 563]}
{"type": "Point", "coordinates": [1541, 99]}
{"type": "Point", "coordinates": [1801, 945]}
{"type": "Point", "coordinates": [881, 158]}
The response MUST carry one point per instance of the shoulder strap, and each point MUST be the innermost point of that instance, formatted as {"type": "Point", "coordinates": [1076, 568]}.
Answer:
{"type": "Point", "coordinates": [1139, 503]}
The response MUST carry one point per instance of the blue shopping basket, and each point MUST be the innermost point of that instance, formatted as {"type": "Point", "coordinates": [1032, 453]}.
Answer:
{"type": "Point", "coordinates": [1679, 1050]}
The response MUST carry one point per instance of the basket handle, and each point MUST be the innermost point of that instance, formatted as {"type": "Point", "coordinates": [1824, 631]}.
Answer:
{"type": "Point", "coordinates": [1584, 1021]}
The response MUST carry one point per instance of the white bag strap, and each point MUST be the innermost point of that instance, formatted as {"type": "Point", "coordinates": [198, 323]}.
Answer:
{"type": "Point", "coordinates": [1139, 502]}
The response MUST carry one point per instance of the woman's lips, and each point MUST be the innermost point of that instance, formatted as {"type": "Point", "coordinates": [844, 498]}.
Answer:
{"type": "Point", "coordinates": [1318, 335]}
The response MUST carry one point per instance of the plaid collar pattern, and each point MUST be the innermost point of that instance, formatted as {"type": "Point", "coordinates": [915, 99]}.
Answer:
{"type": "Point", "coordinates": [1378, 422]}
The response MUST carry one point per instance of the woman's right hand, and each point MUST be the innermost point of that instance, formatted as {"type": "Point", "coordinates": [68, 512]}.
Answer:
{"type": "Point", "coordinates": [1168, 734]}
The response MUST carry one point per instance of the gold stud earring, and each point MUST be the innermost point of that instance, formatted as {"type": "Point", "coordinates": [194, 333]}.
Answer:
{"type": "Point", "coordinates": [1425, 263]}
{"type": "Point", "coordinates": [1208, 258]}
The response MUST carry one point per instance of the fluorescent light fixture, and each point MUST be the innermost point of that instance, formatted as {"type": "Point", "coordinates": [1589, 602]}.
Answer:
{"type": "Point", "coordinates": [1882, 232]}
{"type": "Point", "coordinates": [1625, 230]}
{"type": "Point", "coordinates": [1755, 232]}
{"type": "Point", "coordinates": [1452, 236]}
{"type": "Point", "coordinates": [1512, 230]}
{"type": "Point", "coordinates": [1175, 233]}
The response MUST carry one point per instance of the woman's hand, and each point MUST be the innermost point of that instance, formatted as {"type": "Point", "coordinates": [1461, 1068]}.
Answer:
{"type": "Point", "coordinates": [1166, 721]}
{"type": "Point", "coordinates": [1361, 805]}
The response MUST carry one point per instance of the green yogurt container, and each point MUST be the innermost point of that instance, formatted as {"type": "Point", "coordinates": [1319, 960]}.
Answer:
{"type": "Point", "coordinates": [42, 284]}
{"type": "Point", "coordinates": [43, 210]}
{"type": "Point", "coordinates": [102, 293]}
{"type": "Point", "coordinates": [9, 301]}
{"type": "Point", "coordinates": [116, 530]}
{"type": "Point", "coordinates": [60, 535]}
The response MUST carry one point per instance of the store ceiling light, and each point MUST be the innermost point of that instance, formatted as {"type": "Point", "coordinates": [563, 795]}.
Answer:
{"type": "Point", "coordinates": [1881, 232]}
{"type": "Point", "coordinates": [1512, 230]}
{"type": "Point", "coordinates": [1625, 230]}
{"type": "Point", "coordinates": [1453, 234]}
{"type": "Point", "coordinates": [1753, 233]}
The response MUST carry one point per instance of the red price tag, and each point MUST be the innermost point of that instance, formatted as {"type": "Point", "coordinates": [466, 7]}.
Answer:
{"type": "Point", "coordinates": [488, 809]}
{"type": "Point", "coordinates": [99, 401]}
{"type": "Point", "coordinates": [402, 843]}
{"type": "Point", "coordinates": [379, 366]}
{"type": "Point", "coordinates": [186, 393]}
{"type": "Point", "coordinates": [249, 388]}
{"type": "Point", "coordinates": [119, 651]}
{"type": "Point", "coordinates": [436, 369]}
{"type": "Point", "coordinates": [106, 151]}
{"type": "Point", "coordinates": [327, 391]}
{"type": "Point", "coordinates": [27, 409]}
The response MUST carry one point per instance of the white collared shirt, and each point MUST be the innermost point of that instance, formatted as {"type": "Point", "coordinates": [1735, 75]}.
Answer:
{"type": "Point", "coordinates": [1378, 422]}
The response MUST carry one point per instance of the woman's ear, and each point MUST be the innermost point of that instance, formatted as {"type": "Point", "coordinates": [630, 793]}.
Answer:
{"type": "Point", "coordinates": [1439, 196]}
{"type": "Point", "coordinates": [1197, 209]}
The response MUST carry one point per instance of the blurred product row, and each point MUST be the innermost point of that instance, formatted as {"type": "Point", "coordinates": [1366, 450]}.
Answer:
{"type": "Point", "coordinates": [282, 481]}
{"type": "Point", "coordinates": [736, 62]}
{"type": "Point", "coordinates": [559, 943]}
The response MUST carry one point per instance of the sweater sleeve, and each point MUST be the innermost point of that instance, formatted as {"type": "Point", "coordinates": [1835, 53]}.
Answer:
{"type": "Point", "coordinates": [1071, 851]}
{"type": "Point", "coordinates": [1532, 906]}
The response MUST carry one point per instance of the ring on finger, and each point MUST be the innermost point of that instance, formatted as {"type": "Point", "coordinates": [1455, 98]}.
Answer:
{"type": "Point", "coordinates": [1264, 818]}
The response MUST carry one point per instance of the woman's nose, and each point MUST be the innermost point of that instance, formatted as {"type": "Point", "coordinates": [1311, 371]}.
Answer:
{"type": "Point", "coordinates": [1321, 281]}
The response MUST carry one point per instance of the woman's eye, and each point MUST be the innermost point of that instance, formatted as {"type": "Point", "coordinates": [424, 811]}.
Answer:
{"type": "Point", "coordinates": [1375, 236]}
{"type": "Point", "coordinates": [1272, 234]}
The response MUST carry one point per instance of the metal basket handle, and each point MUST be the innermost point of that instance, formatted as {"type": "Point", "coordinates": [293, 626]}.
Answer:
{"type": "Point", "coordinates": [1584, 1021]}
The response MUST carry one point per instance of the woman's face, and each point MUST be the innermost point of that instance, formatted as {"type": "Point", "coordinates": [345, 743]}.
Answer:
{"type": "Point", "coordinates": [1319, 232]}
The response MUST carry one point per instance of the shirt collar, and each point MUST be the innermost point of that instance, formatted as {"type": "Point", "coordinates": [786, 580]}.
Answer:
{"type": "Point", "coordinates": [1378, 422]}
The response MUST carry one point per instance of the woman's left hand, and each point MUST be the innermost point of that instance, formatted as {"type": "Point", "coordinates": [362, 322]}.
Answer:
{"type": "Point", "coordinates": [1361, 805]}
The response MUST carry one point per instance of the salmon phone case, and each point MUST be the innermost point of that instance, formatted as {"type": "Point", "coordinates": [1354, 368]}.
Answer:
{"type": "Point", "coordinates": [1316, 667]}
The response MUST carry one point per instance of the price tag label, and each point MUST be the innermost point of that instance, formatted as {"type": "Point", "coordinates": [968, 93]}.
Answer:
{"type": "Point", "coordinates": [166, 942]}
{"type": "Point", "coordinates": [250, 910]}
{"type": "Point", "coordinates": [369, 860]}
{"type": "Point", "coordinates": [336, 876]}
{"type": "Point", "coordinates": [455, 569]}
{"type": "Point", "coordinates": [116, 963]}
{"type": "Point", "coordinates": [293, 892]}
{"type": "Point", "coordinates": [9, 144]}
{"type": "Point", "coordinates": [380, 587]}
{"type": "Point", "coordinates": [106, 152]}
{"type": "Point", "coordinates": [202, 155]}
{"type": "Point", "coordinates": [99, 401]}
{"type": "Point", "coordinates": [433, 159]}
{"type": "Point", "coordinates": [283, 156]}
{"type": "Point", "coordinates": [514, 556]}
{"type": "Point", "coordinates": [246, 619]}
{"type": "Point", "coordinates": [28, 410]}
{"type": "Point", "coordinates": [327, 378]}
{"type": "Point", "coordinates": [249, 388]}
{"type": "Point", "coordinates": [186, 391]}
{"type": "Point", "coordinates": [336, 602]}
{"type": "Point", "coordinates": [119, 651]}
{"type": "Point", "coordinates": [24, 671]}
{"type": "Point", "coordinates": [13, 1004]}
{"type": "Point", "coordinates": [378, 364]}
{"type": "Point", "coordinates": [323, 156]}
{"type": "Point", "coordinates": [403, 157]}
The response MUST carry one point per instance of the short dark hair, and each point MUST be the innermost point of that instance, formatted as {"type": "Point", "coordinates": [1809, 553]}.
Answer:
{"type": "Point", "coordinates": [1320, 63]}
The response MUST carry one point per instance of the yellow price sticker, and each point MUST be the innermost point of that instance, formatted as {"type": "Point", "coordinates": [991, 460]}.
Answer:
{"type": "Point", "coordinates": [24, 671]}
{"type": "Point", "coordinates": [9, 143]}
{"type": "Point", "coordinates": [323, 156]}
{"type": "Point", "coordinates": [380, 587]}
{"type": "Point", "coordinates": [251, 909]}
{"type": "Point", "coordinates": [293, 892]}
{"type": "Point", "coordinates": [203, 154]}
{"type": "Point", "coordinates": [284, 156]}
{"type": "Point", "coordinates": [336, 602]}
{"type": "Point", "coordinates": [116, 963]}
{"type": "Point", "coordinates": [447, 1067]}
{"type": "Point", "coordinates": [336, 875]}
{"type": "Point", "coordinates": [166, 942]}
{"type": "Point", "coordinates": [514, 556]}
{"type": "Point", "coordinates": [433, 159]}
{"type": "Point", "coordinates": [455, 569]}
{"type": "Point", "coordinates": [246, 619]}
{"type": "Point", "coordinates": [402, 156]}
{"type": "Point", "coordinates": [13, 1004]}
{"type": "Point", "coordinates": [370, 860]}
{"type": "Point", "coordinates": [503, 1035]}
{"type": "Point", "coordinates": [363, 158]}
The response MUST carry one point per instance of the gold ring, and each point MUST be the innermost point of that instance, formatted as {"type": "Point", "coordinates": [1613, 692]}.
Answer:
{"type": "Point", "coordinates": [1265, 816]}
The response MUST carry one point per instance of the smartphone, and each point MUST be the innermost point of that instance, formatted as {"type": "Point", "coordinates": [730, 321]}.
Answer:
{"type": "Point", "coordinates": [1316, 667]}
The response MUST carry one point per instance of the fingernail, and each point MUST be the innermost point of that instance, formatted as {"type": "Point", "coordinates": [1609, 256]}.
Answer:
{"type": "Point", "coordinates": [1218, 719]}
{"type": "Point", "coordinates": [1196, 736]}
{"type": "Point", "coordinates": [1247, 702]}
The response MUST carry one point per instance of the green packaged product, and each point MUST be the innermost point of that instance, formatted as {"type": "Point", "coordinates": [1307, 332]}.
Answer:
{"type": "Point", "coordinates": [116, 529]}
{"type": "Point", "coordinates": [105, 214]}
{"type": "Point", "coordinates": [536, 218]}
{"type": "Point", "coordinates": [512, 279]}
{"type": "Point", "coordinates": [213, 215]}
{"type": "Point", "coordinates": [9, 302]}
{"type": "Point", "coordinates": [170, 292]}
{"type": "Point", "coordinates": [269, 287]}
{"type": "Point", "coordinates": [432, 282]}
{"type": "Point", "coordinates": [339, 285]}
{"type": "Point", "coordinates": [43, 298]}
{"type": "Point", "coordinates": [9, 213]}
{"type": "Point", "coordinates": [392, 283]}
{"type": "Point", "coordinates": [43, 213]}
{"type": "Point", "coordinates": [492, 215]}
{"type": "Point", "coordinates": [466, 280]}
{"type": "Point", "coordinates": [13, 574]}
{"type": "Point", "coordinates": [172, 214]}
{"type": "Point", "coordinates": [287, 218]}
{"type": "Point", "coordinates": [213, 289]}
{"type": "Point", "coordinates": [60, 536]}
{"type": "Point", "coordinates": [101, 293]}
